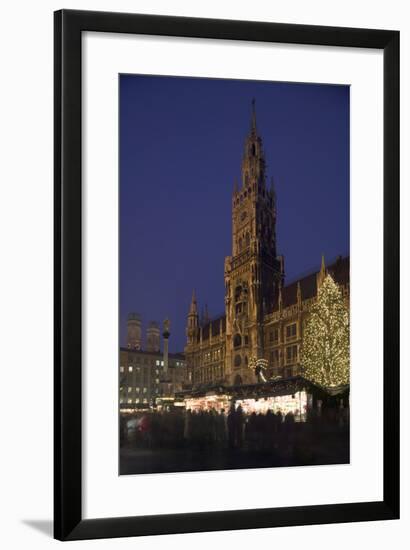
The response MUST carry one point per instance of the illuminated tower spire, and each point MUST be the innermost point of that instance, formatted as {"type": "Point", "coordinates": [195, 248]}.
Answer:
{"type": "Point", "coordinates": [253, 163]}
{"type": "Point", "coordinates": [193, 307]}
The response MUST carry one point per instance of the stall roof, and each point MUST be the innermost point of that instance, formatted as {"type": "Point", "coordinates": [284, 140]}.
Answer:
{"type": "Point", "coordinates": [282, 386]}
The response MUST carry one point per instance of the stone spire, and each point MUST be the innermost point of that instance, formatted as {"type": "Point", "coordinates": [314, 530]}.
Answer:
{"type": "Point", "coordinates": [322, 273]}
{"type": "Point", "coordinates": [192, 321]}
{"type": "Point", "coordinates": [299, 295]}
{"type": "Point", "coordinates": [280, 299]}
{"type": "Point", "coordinates": [193, 309]}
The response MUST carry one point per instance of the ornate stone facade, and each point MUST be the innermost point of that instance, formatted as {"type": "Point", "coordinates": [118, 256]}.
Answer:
{"type": "Point", "coordinates": [264, 318]}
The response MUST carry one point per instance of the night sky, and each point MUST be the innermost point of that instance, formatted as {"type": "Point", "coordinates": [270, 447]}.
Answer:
{"type": "Point", "coordinates": [181, 146]}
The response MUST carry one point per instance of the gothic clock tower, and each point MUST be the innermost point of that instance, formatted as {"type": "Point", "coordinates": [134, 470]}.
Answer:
{"type": "Point", "coordinates": [254, 272]}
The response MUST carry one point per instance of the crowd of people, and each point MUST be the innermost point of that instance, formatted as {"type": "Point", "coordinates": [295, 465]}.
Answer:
{"type": "Point", "coordinates": [232, 429]}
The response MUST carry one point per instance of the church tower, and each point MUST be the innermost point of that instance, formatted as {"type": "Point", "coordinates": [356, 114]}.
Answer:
{"type": "Point", "coordinates": [192, 322]}
{"type": "Point", "coordinates": [254, 272]}
{"type": "Point", "coordinates": [134, 339]}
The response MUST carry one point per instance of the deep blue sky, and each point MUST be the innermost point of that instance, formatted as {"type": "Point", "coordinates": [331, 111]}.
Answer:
{"type": "Point", "coordinates": [181, 145]}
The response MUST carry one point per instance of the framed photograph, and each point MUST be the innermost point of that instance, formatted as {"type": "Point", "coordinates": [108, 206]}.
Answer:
{"type": "Point", "coordinates": [226, 275]}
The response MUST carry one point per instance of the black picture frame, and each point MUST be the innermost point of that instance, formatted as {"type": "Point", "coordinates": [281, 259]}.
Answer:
{"type": "Point", "coordinates": [68, 521]}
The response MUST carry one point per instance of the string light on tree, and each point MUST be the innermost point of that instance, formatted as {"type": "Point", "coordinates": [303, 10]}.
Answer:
{"type": "Point", "coordinates": [325, 350]}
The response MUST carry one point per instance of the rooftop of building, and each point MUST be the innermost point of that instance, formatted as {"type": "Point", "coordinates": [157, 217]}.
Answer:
{"type": "Point", "coordinates": [159, 354]}
{"type": "Point", "coordinates": [281, 386]}
{"type": "Point", "coordinates": [338, 268]}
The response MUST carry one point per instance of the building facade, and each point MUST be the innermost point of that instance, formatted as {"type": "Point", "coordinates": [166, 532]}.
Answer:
{"type": "Point", "coordinates": [264, 317]}
{"type": "Point", "coordinates": [146, 375]}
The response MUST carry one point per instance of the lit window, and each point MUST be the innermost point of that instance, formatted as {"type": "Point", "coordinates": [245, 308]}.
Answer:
{"type": "Point", "coordinates": [145, 400]}
{"type": "Point", "coordinates": [129, 390]}
{"type": "Point", "coordinates": [129, 400]}
{"type": "Point", "coordinates": [122, 369]}
{"type": "Point", "coordinates": [137, 390]}
{"type": "Point", "coordinates": [157, 380]}
{"type": "Point", "coordinates": [130, 369]}
{"type": "Point", "coordinates": [157, 362]}
{"type": "Point", "coordinates": [145, 390]}
{"type": "Point", "coordinates": [162, 363]}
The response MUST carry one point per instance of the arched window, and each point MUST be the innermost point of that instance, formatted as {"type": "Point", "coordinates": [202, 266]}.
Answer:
{"type": "Point", "coordinates": [237, 361]}
{"type": "Point", "coordinates": [238, 380]}
{"type": "Point", "coordinates": [247, 240]}
{"type": "Point", "coordinates": [238, 292]}
{"type": "Point", "coordinates": [237, 341]}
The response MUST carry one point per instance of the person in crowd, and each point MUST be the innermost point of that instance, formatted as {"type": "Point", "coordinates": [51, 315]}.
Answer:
{"type": "Point", "coordinates": [231, 425]}
{"type": "Point", "coordinates": [239, 426]}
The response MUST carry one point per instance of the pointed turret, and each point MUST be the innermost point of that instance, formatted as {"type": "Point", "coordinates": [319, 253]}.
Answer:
{"type": "Point", "coordinates": [253, 164]}
{"type": "Point", "coordinates": [322, 273]}
{"type": "Point", "coordinates": [193, 307]}
{"type": "Point", "coordinates": [192, 322]}
{"type": "Point", "coordinates": [299, 295]}
{"type": "Point", "coordinates": [280, 299]}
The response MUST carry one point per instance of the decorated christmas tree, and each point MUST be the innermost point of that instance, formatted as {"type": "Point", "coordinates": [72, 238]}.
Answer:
{"type": "Point", "coordinates": [325, 350]}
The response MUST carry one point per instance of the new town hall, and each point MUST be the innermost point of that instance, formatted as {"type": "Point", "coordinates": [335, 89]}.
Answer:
{"type": "Point", "coordinates": [264, 317]}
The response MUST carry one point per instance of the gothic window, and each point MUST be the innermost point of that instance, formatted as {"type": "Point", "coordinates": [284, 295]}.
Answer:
{"type": "Point", "coordinates": [237, 361]}
{"type": "Point", "coordinates": [291, 331]}
{"type": "Point", "coordinates": [240, 245]}
{"type": "Point", "coordinates": [238, 292]}
{"type": "Point", "coordinates": [238, 380]}
{"type": "Point", "coordinates": [237, 340]}
{"type": "Point", "coordinates": [274, 357]}
{"type": "Point", "coordinates": [247, 239]}
{"type": "Point", "coordinates": [291, 354]}
{"type": "Point", "coordinates": [253, 150]}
